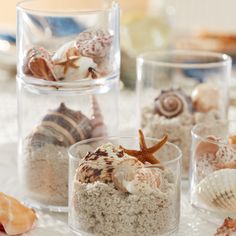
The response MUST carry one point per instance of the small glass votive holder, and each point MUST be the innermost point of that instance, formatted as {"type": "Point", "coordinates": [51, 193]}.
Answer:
{"type": "Point", "coordinates": [213, 168]}
{"type": "Point", "coordinates": [112, 193]}
{"type": "Point", "coordinates": [177, 89]}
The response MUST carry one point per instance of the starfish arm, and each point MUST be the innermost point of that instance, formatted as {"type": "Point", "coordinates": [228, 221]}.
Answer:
{"type": "Point", "coordinates": [152, 159]}
{"type": "Point", "coordinates": [142, 143]}
{"type": "Point", "coordinates": [227, 165]}
{"type": "Point", "coordinates": [131, 152]}
{"type": "Point", "coordinates": [157, 146]}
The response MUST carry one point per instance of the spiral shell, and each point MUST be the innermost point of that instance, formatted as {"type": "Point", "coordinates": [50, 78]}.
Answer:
{"type": "Point", "coordinates": [38, 63]}
{"type": "Point", "coordinates": [171, 103]}
{"type": "Point", "coordinates": [95, 44]}
{"type": "Point", "coordinates": [99, 128]}
{"type": "Point", "coordinates": [62, 127]}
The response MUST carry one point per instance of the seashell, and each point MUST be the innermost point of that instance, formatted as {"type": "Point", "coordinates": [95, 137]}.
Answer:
{"type": "Point", "coordinates": [62, 127]}
{"type": "Point", "coordinates": [228, 228]}
{"type": "Point", "coordinates": [218, 190]}
{"type": "Point", "coordinates": [172, 103]}
{"type": "Point", "coordinates": [15, 218]}
{"type": "Point", "coordinates": [38, 63]}
{"type": "Point", "coordinates": [95, 44]}
{"type": "Point", "coordinates": [99, 128]}
{"type": "Point", "coordinates": [232, 139]}
{"type": "Point", "coordinates": [205, 97]}
{"type": "Point", "coordinates": [131, 176]}
{"type": "Point", "coordinates": [99, 165]}
{"type": "Point", "coordinates": [205, 147]}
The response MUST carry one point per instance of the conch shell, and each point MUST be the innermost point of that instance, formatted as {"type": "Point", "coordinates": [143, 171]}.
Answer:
{"type": "Point", "coordinates": [15, 218]}
{"type": "Point", "coordinates": [172, 103]}
{"type": "Point", "coordinates": [133, 177]}
{"type": "Point", "coordinates": [95, 44]}
{"type": "Point", "coordinates": [205, 97]}
{"type": "Point", "coordinates": [62, 127]}
{"type": "Point", "coordinates": [99, 128]}
{"type": "Point", "coordinates": [38, 63]}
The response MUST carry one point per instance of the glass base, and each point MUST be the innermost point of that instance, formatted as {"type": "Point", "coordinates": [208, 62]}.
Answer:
{"type": "Point", "coordinates": [39, 206]}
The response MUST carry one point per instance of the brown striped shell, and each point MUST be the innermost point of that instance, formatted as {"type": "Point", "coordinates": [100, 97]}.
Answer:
{"type": "Point", "coordinates": [62, 127]}
{"type": "Point", "coordinates": [172, 103]}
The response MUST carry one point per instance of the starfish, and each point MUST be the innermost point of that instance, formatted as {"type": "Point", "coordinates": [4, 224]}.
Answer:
{"type": "Point", "coordinates": [145, 154]}
{"type": "Point", "coordinates": [226, 165]}
{"type": "Point", "coordinates": [68, 62]}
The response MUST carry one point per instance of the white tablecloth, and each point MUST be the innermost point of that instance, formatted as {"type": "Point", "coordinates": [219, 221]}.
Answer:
{"type": "Point", "coordinates": [51, 224]}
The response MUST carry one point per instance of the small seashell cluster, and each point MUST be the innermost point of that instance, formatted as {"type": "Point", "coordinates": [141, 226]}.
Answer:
{"type": "Point", "coordinates": [15, 218]}
{"type": "Point", "coordinates": [111, 164]}
{"type": "Point", "coordinates": [64, 127]}
{"type": "Point", "coordinates": [82, 58]}
{"type": "Point", "coordinates": [172, 103]}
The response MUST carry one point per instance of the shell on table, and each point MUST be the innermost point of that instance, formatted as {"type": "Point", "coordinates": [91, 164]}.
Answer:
{"type": "Point", "coordinates": [205, 97]}
{"type": "Point", "coordinates": [133, 177]}
{"type": "Point", "coordinates": [97, 121]}
{"type": "Point", "coordinates": [218, 190]}
{"type": "Point", "coordinates": [95, 43]}
{"type": "Point", "coordinates": [15, 218]}
{"type": "Point", "coordinates": [38, 63]}
{"type": "Point", "coordinates": [172, 103]}
{"type": "Point", "coordinates": [62, 127]}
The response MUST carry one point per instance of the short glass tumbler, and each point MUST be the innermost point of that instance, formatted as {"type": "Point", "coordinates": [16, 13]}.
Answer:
{"type": "Point", "coordinates": [177, 89]}
{"type": "Point", "coordinates": [111, 193]}
{"type": "Point", "coordinates": [213, 168]}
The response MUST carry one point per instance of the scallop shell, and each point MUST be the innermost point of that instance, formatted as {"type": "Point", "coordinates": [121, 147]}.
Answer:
{"type": "Point", "coordinates": [38, 63]}
{"type": "Point", "coordinates": [205, 97]}
{"type": "Point", "coordinates": [99, 128]}
{"type": "Point", "coordinates": [132, 176]}
{"type": "Point", "coordinates": [95, 44]}
{"type": "Point", "coordinates": [15, 218]}
{"type": "Point", "coordinates": [99, 165]}
{"type": "Point", "coordinates": [62, 127]}
{"type": "Point", "coordinates": [218, 190]}
{"type": "Point", "coordinates": [172, 103]}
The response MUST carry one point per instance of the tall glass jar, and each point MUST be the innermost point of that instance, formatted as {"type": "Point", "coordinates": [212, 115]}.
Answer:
{"type": "Point", "coordinates": [68, 85]}
{"type": "Point", "coordinates": [177, 89]}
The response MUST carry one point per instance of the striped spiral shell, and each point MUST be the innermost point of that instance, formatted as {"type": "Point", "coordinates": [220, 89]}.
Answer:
{"type": "Point", "coordinates": [171, 103]}
{"type": "Point", "coordinates": [62, 127]}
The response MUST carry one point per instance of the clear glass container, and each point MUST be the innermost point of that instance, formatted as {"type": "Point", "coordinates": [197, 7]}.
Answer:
{"type": "Point", "coordinates": [177, 89]}
{"type": "Point", "coordinates": [157, 18]}
{"type": "Point", "coordinates": [68, 86]}
{"type": "Point", "coordinates": [103, 200]}
{"type": "Point", "coordinates": [213, 168]}
{"type": "Point", "coordinates": [68, 40]}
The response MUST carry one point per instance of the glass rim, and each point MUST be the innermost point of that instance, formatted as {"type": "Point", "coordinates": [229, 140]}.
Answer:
{"type": "Point", "coordinates": [78, 85]}
{"type": "Point", "coordinates": [225, 59]}
{"type": "Point", "coordinates": [74, 146]}
{"type": "Point", "coordinates": [20, 7]}
{"type": "Point", "coordinates": [204, 139]}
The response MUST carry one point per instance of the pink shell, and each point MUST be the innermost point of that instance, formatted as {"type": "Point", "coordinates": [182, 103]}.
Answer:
{"type": "Point", "coordinates": [95, 44]}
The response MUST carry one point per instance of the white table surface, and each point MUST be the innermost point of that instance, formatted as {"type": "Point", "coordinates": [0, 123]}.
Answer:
{"type": "Point", "coordinates": [51, 224]}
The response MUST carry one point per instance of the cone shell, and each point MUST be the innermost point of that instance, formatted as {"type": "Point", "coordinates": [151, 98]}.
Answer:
{"type": "Point", "coordinates": [62, 127]}
{"type": "Point", "coordinates": [218, 190]}
{"type": "Point", "coordinates": [99, 128]}
{"type": "Point", "coordinates": [205, 97]}
{"type": "Point", "coordinates": [38, 63]}
{"type": "Point", "coordinates": [15, 218]}
{"type": "Point", "coordinates": [172, 103]}
{"type": "Point", "coordinates": [99, 165]}
{"type": "Point", "coordinates": [133, 177]}
{"type": "Point", "coordinates": [95, 44]}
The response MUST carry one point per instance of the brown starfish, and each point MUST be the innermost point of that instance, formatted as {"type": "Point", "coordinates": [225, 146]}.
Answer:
{"type": "Point", "coordinates": [146, 154]}
{"type": "Point", "coordinates": [228, 227]}
{"type": "Point", "coordinates": [226, 165]}
{"type": "Point", "coordinates": [68, 62]}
